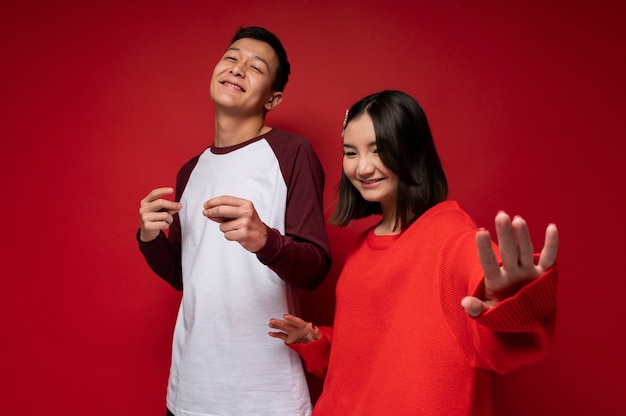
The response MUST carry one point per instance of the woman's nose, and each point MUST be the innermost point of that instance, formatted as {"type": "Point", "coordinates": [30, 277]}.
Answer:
{"type": "Point", "coordinates": [364, 167]}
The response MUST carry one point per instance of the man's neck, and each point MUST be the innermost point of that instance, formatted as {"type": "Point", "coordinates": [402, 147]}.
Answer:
{"type": "Point", "coordinates": [231, 131]}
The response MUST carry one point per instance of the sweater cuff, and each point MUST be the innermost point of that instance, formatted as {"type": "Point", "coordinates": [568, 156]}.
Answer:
{"type": "Point", "coordinates": [535, 302]}
{"type": "Point", "coordinates": [316, 354]}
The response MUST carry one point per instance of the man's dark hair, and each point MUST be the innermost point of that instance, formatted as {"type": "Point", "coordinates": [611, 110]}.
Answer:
{"type": "Point", "coordinates": [264, 35]}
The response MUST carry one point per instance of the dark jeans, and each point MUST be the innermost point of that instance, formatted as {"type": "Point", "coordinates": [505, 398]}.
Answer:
{"type": "Point", "coordinates": [168, 413]}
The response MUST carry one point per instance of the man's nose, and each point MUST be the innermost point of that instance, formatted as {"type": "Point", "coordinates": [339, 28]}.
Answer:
{"type": "Point", "coordinates": [237, 70]}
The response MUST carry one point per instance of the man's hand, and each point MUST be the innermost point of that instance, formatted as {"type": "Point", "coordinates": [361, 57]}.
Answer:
{"type": "Point", "coordinates": [156, 213]}
{"type": "Point", "coordinates": [238, 220]}
{"type": "Point", "coordinates": [518, 266]}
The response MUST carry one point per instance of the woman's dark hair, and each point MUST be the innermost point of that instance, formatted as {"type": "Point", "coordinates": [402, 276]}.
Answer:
{"type": "Point", "coordinates": [405, 145]}
{"type": "Point", "coordinates": [264, 35]}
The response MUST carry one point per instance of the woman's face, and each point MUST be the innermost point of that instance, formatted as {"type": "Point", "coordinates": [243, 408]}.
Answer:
{"type": "Point", "coordinates": [363, 166]}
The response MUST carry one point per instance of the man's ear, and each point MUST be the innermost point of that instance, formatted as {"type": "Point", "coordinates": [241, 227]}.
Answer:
{"type": "Point", "coordinates": [274, 100]}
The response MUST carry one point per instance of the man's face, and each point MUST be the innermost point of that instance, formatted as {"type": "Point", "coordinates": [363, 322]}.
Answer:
{"type": "Point", "coordinates": [243, 77]}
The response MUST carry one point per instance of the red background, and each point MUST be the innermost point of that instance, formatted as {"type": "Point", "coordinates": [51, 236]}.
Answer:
{"type": "Point", "coordinates": [102, 101]}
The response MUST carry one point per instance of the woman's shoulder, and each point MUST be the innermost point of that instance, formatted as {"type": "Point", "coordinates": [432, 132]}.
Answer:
{"type": "Point", "coordinates": [448, 215]}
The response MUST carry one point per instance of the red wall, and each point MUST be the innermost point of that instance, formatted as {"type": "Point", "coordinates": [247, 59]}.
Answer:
{"type": "Point", "coordinates": [102, 101]}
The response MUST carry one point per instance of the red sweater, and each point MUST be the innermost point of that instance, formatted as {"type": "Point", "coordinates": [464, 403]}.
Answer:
{"type": "Point", "coordinates": [402, 344]}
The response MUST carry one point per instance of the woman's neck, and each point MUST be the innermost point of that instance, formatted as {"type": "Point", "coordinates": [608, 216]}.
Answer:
{"type": "Point", "coordinates": [387, 227]}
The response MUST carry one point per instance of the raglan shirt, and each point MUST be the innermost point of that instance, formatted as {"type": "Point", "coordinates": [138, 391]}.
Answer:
{"type": "Point", "coordinates": [223, 362]}
{"type": "Point", "coordinates": [401, 343]}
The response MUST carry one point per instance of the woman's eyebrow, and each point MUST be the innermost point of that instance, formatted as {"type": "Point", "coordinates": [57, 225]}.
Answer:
{"type": "Point", "coordinates": [351, 146]}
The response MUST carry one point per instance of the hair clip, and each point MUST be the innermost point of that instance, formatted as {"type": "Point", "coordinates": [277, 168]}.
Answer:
{"type": "Point", "coordinates": [345, 120]}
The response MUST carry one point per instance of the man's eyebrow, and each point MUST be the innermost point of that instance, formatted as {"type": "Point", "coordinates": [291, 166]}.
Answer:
{"type": "Point", "coordinates": [257, 57]}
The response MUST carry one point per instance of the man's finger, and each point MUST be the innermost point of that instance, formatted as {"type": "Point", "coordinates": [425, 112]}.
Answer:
{"type": "Point", "coordinates": [159, 193]}
{"type": "Point", "coordinates": [223, 200]}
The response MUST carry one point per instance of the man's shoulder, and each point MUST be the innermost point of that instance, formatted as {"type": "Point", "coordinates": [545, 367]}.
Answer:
{"type": "Point", "coordinates": [189, 164]}
{"type": "Point", "coordinates": [289, 145]}
{"type": "Point", "coordinates": [185, 170]}
{"type": "Point", "coordinates": [287, 137]}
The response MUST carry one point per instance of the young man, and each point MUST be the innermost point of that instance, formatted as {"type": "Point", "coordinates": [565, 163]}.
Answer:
{"type": "Point", "coordinates": [246, 230]}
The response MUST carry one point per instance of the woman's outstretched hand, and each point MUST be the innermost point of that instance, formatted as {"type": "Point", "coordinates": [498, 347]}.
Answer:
{"type": "Point", "coordinates": [518, 265]}
{"type": "Point", "coordinates": [294, 330]}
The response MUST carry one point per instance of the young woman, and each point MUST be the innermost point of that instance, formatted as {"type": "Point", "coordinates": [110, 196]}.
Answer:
{"type": "Point", "coordinates": [427, 306]}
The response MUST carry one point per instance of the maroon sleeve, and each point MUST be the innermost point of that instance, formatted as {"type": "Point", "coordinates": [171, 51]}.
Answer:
{"type": "Point", "coordinates": [301, 257]}
{"type": "Point", "coordinates": [163, 254]}
{"type": "Point", "coordinates": [163, 257]}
